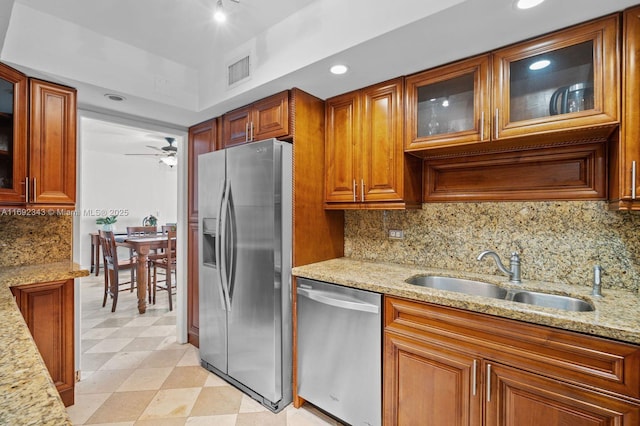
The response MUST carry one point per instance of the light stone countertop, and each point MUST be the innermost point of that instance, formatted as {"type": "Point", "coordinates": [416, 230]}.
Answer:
{"type": "Point", "coordinates": [28, 395]}
{"type": "Point", "coordinates": [616, 315]}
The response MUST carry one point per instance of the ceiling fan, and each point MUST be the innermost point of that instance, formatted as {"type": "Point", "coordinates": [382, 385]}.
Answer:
{"type": "Point", "coordinates": [167, 153]}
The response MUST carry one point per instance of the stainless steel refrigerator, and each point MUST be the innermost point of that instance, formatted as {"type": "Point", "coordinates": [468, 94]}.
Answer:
{"type": "Point", "coordinates": [245, 231]}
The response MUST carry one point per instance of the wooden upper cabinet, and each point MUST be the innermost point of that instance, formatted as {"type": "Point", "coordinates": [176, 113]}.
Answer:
{"type": "Point", "coordinates": [365, 165]}
{"type": "Point", "coordinates": [567, 80]}
{"type": "Point", "coordinates": [624, 164]}
{"type": "Point", "coordinates": [264, 119]}
{"type": "Point", "coordinates": [202, 139]}
{"type": "Point", "coordinates": [52, 141]}
{"type": "Point", "coordinates": [449, 105]}
{"type": "Point", "coordinates": [13, 135]}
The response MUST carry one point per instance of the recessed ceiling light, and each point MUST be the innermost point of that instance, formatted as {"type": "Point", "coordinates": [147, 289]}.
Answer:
{"type": "Point", "coordinates": [527, 4]}
{"type": "Point", "coordinates": [538, 65]}
{"type": "Point", "coordinates": [339, 69]}
{"type": "Point", "coordinates": [114, 97]}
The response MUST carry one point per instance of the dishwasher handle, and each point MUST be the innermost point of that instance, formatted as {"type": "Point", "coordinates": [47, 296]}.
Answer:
{"type": "Point", "coordinates": [333, 299]}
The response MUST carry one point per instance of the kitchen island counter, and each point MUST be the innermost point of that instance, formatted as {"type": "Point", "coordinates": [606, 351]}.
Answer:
{"type": "Point", "coordinates": [28, 395]}
{"type": "Point", "coordinates": [616, 315]}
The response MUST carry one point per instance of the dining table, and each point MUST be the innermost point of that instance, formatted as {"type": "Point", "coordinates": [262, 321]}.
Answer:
{"type": "Point", "coordinates": [142, 247]}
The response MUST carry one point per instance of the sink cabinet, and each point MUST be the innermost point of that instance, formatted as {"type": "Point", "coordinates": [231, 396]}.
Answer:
{"type": "Point", "coordinates": [498, 102]}
{"type": "Point", "coordinates": [365, 166]}
{"type": "Point", "coordinates": [446, 366]}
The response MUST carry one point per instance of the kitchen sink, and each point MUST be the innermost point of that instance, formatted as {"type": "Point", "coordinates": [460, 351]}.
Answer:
{"type": "Point", "coordinates": [480, 288]}
{"type": "Point", "coordinates": [459, 285]}
{"type": "Point", "coordinates": [553, 301]}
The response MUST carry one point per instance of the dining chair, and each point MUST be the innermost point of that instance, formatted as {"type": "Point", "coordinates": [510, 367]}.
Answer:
{"type": "Point", "coordinates": [168, 264]}
{"type": "Point", "coordinates": [112, 267]}
{"type": "Point", "coordinates": [140, 231]}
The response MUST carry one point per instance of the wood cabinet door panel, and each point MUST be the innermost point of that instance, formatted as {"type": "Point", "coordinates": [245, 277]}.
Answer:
{"type": "Point", "coordinates": [235, 127]}
{"type": "Point", "coordinates": [519, 398]}
{"type": "Point", "coordinates": [603, 36]}
{"type": "Point", "coordinates": [382, 150]}
{"type": "Point", "coordinates": [343, 132]}
{"type": "Point", "coordinates": [425, 385]}
{"type": "Point", "coordinates": [202, 139]}
{"type": "Point", "coordinates": [48, 311]}
{"type": "Point", "coordinates": [270, 117]}
{"type": "Point", "coordinates": [52, 143]}
{"type": "Point", "coordinates": [13, 131]}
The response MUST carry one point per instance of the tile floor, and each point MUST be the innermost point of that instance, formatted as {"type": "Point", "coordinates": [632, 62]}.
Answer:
{"type": "Point", "coordinates": [134, 373]}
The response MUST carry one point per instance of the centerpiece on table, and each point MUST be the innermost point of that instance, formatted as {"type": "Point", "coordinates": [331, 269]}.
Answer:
{"type": "Point", "coordinates": [107, 222]}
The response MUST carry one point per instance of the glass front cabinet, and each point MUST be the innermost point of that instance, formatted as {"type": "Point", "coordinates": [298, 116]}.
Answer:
{"type": "Point", "coordinates": [13, 135]}
{"type": "Point", "coordinates": [556, 83]}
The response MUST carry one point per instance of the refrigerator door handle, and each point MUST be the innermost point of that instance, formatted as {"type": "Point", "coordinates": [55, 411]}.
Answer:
{"type": "Point", "coordinates": [217, 246]}
{"type": "Point", "coordinates": [222, 246]}
{"type": "Point", "coordinates": [231, 245]}
{"type": "Point", "coordinates": [331, 299]}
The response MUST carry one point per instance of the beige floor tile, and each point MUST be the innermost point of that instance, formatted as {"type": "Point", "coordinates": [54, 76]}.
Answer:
{"type": "Point", "coordinates": [110, 345]}
{"type": "Point", "coordinates": [217, 400]}
{"type": "Point", "coordinates": [171, 403]}
{"type": "Point", "coordinates": [213, 380]}
{"type": "Point", "coordinates": [174, 421]}
{"type": "Point", "coordinates": [128, 332]}
{"type": "Point", "coordinates": [115, 424]}
{"type": "Point", "coordinates": [170, 342]}
{"type": "Point", "coordinates": [166, 320]}
{"type": "Point", "coordinates": [90, 322]}
{"type": "Point", "coordinates": [168, 358]}
{"type": "Point", "coordinates": [159, 330]}
{"type": "Point", "coordinates": [122, 407]}
{"type": "Point", "coordinates": [186, 377]}
{"type": "Point", "coordinates": [143, 343]}
{"type": "Point", "coordinates": [85, 405]}
{"type": "Point", "coordinates": [261, 419]}
{"type": "Point", "coordinates": [95, 361]}
{"type": "Point", "coordinates": [222, 420]}
{"type": "Point", "coordinates": [250, 405]}
{"type": "Point", "coordinates": [142, 321]}
{"type": "Point", "coordinates": [114, 322]}
{"type": "Point", "coordinates": [86, 344]}
{"type": "Point", "coordinates": [126, 360]}
{"type": "Point", "coordinates": [98, 333]}
{"type": "Point", "coordinates": [103, 381]}
{"type": "Point", "coordinates": [191, 357]}
{"type": "Point", "coordinates": [146, 379]}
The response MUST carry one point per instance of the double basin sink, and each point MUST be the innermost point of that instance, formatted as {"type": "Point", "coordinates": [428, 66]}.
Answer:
{"type": "Point", "coordinates": [480, 288]}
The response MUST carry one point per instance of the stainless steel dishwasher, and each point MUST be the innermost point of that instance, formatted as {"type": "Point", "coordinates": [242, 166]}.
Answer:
{"type": "Point", "coordinates": [339, 350]}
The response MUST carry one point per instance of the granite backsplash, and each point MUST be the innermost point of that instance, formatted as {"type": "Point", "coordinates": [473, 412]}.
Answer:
{"type": "Point", "coordinates": [26, 240]}
{"type": "Point", "coordinates": [558, 241]}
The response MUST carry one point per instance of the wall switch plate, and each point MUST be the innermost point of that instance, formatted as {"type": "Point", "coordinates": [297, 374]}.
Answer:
{"type": "Point", "coordinates": [396, 234]}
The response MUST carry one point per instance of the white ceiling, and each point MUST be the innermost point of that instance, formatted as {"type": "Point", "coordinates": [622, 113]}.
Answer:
{"type": "Point", "coordinates": [169, 58]}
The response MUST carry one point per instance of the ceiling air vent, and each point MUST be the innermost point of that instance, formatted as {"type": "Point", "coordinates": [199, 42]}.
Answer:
{"type": "Point", "coordinates": [239, 70]}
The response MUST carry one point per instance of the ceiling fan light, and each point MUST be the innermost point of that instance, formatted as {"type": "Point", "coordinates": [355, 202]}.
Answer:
{"type": "Point", "coordinates": [169, 161]}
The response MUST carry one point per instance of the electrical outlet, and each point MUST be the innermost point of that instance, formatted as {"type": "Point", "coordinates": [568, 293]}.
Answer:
{"type": "Point", "coordinates": [396, 234]}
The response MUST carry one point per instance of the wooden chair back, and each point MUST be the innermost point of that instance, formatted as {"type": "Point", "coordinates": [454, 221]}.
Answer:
{"type": "Point", "coordinates": [109, 250]}
{"type": "Point", "coordinates": [141, 231]}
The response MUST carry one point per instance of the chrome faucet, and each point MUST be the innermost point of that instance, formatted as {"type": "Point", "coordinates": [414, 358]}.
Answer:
{"type": "Point", "coordinates": [597, 283]}
{"type": "Point", "coordinates": [514, 265]}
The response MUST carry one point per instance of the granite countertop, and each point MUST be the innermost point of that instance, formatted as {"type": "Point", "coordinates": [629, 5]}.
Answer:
{"type": "Point", "coordinates": [28, 395]}
{"type": "Point", "coordinates": [616, 315]}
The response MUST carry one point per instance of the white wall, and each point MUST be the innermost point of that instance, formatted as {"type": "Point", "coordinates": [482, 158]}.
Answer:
{"type": "Point", "coordinates": [131, 186]}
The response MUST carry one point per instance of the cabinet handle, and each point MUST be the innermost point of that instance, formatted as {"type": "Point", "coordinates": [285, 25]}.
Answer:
{"type": "Point", "coordinates": [34, 191]}
{"type": "Point", "coordinates": [488, 382]}
{"type": "Point", "coordinates": [251, 130]}
{"type": "Point", "coordinates": [497, 123]}
{"type": "Point", "coordinates": [633, 180]}
{"type": "Point", "coordinates": [246, 132]}
{"type": "Point", "coordinates": [355, 188]}
{"type": "Point", "coordinates": [26, 189]}
{"type": "Point", "coordinates": [482, 126]}
{"type": "Point", "coordinates": [362, 190]}
{"type": "Point", "coordinates": [474, 382]}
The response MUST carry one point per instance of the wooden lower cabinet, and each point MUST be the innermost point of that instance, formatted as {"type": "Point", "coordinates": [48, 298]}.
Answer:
{"type": "Point", "coordinates": [193, 292]}
{"type": "Point", "coordinates": [517, 397]}
{"type": "Point", "coordinates": [48, 310]}
{"type": "Point", "coordinates": [446, 366]}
